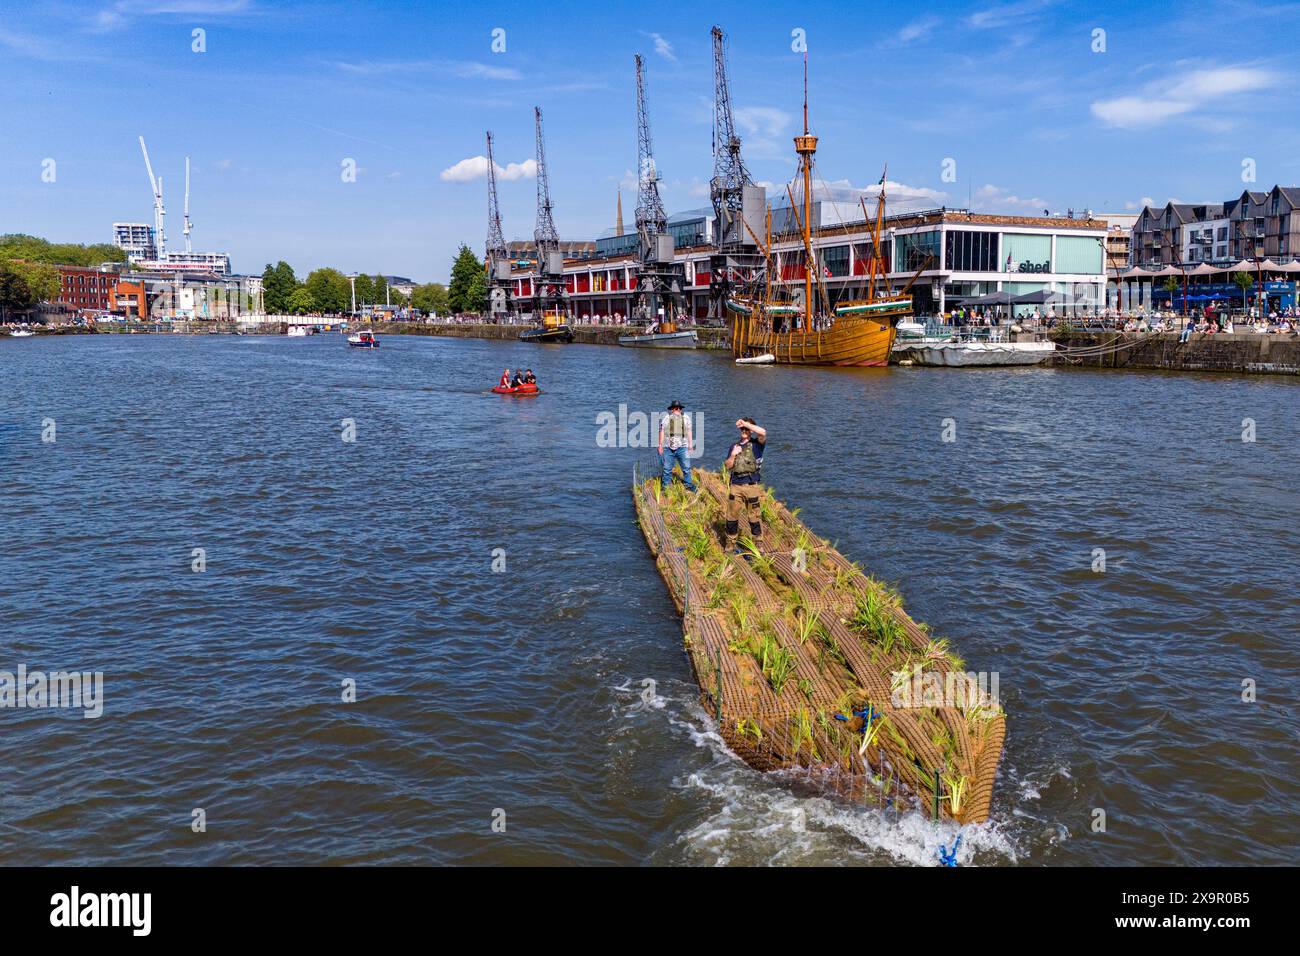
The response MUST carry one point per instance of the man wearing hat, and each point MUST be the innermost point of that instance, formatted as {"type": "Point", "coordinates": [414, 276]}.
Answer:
{"type": "Point", "coordinates": [744, 466]}
{"type": "Point", "coordinates": [675, 433]}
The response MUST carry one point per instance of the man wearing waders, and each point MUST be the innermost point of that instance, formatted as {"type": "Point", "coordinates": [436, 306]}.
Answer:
{"type": "Point", "coordinates": [675, 432]}
{"type": "Point", "coordinates": [744, 465]}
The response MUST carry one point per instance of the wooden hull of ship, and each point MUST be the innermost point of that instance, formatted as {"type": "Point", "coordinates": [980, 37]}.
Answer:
{"type": "Point", "coordinates": [850, 341]}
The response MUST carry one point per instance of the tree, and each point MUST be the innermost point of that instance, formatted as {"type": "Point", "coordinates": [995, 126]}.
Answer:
{"type": "Point", "coordinates": [278, 284]}
{"type": "Point", "coordinates": [380, 285]}
{"type": "Point", "coordinates": [1170, 285]}
{"type": "Point", "coordinates": [330, 290]}
{"type": "Point", "coordinates": [1244, 280]}
{"type": "Point", "coordinates": [468, 288]}
{"type": "Point", "coordinates": [24, 285]}
{"type": "Point", "coordinates": [365, 290]}
{"type": "Point", "coordinates": [32, 249]}
{"type": "Point", "coordinates": [430, 298]}
{"type": "Point", "coordinates": [300, 302]}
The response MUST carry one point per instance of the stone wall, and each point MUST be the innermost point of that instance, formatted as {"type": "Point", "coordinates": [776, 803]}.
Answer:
{"type": "Point", "coordinates": [710, 338]}
{"type": "Point", "coordinates": [1240, 352]}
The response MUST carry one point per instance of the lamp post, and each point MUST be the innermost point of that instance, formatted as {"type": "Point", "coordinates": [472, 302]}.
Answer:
{"type": "Point", "coordinates": [352, 280]}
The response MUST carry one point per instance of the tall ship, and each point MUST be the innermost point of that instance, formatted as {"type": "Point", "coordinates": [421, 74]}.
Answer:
{"type": "Point", "coordinates": [767, 321]}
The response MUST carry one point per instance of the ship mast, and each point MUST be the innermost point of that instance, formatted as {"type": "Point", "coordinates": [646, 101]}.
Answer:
{"type": "Point", "coordinates": [806, 146]}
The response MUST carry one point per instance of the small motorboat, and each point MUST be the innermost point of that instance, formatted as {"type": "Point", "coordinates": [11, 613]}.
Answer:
{"type": "Point", "coordinates": [21, 334]}
{"type": "Point", "coordinates": [527, 388]}
{"type": "Point", "coordinates": [661, 335]}
{"type": "Point", "coordinates": [554, 328]}
{"type": "Point", "coordinates": [297, 331]}
{"type": "Point", "coordinates": [363, 340]}
{"type": "Point", "coordinates": [767, 358]}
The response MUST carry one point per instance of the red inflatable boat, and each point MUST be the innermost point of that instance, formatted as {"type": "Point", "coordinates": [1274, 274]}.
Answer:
{"type": "Point", "coordinates": [519, 390]}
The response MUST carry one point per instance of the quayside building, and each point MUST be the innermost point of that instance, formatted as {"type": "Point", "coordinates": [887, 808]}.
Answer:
{"type": "Point", "coordinates": [960, 255]}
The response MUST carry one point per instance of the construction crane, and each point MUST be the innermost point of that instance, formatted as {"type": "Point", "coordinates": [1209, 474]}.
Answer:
{"type": "Point", "coordinates": [738, 205]}
{"type": "Point", "coordinates": [657, 278]}
{"type": "Point", "coordinates": [186, 230]}
{"type": "Point", "coordinates": [496, 254]}
{"type": "Point", "coordinates": [159, 211]}
{"type": "Point", "coordinates": [550, 263]}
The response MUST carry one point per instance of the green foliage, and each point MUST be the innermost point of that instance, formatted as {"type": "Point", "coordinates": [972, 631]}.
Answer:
{"type": "Point", "coordinates": [300, 302]}
{"type": "Point", "coordinates": [24, 285]}
{"type": "Point", "coordinates": [430, 298]}
{"type": "Point", "coordinates": [330, 290]}
{"type": "Point", "coordinates": [32, 249]}
{"type": "Point", "coordinates": [365, 291]}
{"type": "Point", "coordinates": [468, 290]}
{"type": "Point", "coordinates": [278, 285]}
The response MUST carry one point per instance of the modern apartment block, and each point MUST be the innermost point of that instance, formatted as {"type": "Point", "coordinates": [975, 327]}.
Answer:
{"type": "Point", "coordinates": [136, 239]}
{"type": "Point", "coordinates": [1252, 225]}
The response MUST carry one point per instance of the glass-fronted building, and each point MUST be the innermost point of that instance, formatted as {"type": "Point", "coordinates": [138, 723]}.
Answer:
{"type": "Point", "coordinates": [952, 256]}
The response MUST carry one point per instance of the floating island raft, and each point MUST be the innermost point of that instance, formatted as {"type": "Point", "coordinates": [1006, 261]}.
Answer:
{"type": "Point", "coordinates": [813, 668]}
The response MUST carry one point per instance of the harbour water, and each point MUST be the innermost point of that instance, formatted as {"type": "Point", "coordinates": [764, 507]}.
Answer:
{"type": "Point", "coordinates": [520, 694]}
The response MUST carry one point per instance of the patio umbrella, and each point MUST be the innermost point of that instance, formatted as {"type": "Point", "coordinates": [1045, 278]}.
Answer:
{"type": "Point", "coordinates": [993, 298]}
{"type": "Point", "coordinates": [1041, 297]}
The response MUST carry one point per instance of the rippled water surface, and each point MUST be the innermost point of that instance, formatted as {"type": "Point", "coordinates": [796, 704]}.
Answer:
{"type": "Point", "coordinates": [521, 691]}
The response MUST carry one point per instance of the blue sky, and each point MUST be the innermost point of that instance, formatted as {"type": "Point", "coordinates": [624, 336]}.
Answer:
{"type": "Point", "coordinates": [1013, 92]}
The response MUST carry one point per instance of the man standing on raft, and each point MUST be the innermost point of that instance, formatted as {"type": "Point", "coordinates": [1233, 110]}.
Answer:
{"type": "Point", "coordinates": [744, 464]}
{"type": "Point", "coordinates": [675, 429]}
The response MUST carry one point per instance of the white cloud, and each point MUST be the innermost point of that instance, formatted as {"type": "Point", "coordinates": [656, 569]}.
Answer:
{"type": "Point", "coordinates": [896, 193]}
{"type": "Point", "coordinates": [662, 46]}
{"type": "Point", "coordinates": [117, 14]}
{"type": "Point", "coordinates": [917, 29]}
{"type": "Point", "coordinates": [476, 167]}
{"type": "Point", "coordinates": [763, 130]}
{"type": "Point", "coordinates": [481, 71]}
{"type": "Point", "coordinates": [990, 198]}
{"type": "Point", "coordinates": [462, 69]}
{"type": "Point", "coordinates": [1182, 93]}
{"type": "Point", "coordinates": [762, 120]}
{"type": "Point", "coordinates": [1007, 13]}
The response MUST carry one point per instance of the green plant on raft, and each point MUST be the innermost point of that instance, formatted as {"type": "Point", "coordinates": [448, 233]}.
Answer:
{"type": "Point", "coordinates": [806, 687]}
{"type": "Point", "coordinates": [699, 543]}
{"type": "Point", "coordinates": [956, 792]}
{"type": "Point", "coordinates": [936, 652]}
{"type": "Point", "coordinates": [871, 734]}
{"type": "Point", "coordinates": [803, 732]}
{"type": "Point", "coordinates": [806, 626]}
{"type": "Point", "coordinates": [873, 615]}
{"type": "Point", "coordinates": [775, 661]}
{"type": "Point", "coordinates": [757, 559]}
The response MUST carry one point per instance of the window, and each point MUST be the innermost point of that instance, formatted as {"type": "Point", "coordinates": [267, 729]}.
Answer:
{"type": "Point", "coordinates": [971, 251]}
{"type": "Point", "coordinates": [912, 249]}
{"type": "Point", "coordinates": [836, 260]}
{"type": "Point", "coordinates": [1223, 233]}
{"type": "Point", "coordinates": [1276, 198]}
{"type": "Point", "coordinates": [1026, 253]}
{"type": "Point", "coordinates": [1078, 254]}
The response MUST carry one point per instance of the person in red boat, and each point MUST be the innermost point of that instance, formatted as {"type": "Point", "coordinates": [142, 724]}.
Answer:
{"type": "Point", "coordinates": [505, 379]}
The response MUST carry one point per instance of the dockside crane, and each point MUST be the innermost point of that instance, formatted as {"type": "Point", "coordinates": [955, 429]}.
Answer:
{"type": "Point", "coordinates": [739, 206]}
{"type": "Point", "coordinates": [496, 255]}
{"type": "Point", "coordinates": [159, 211]}
{"type": "Point", "coordinates": [658, 282]}
{"type": "Point", "coordinates": [550, 262]}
